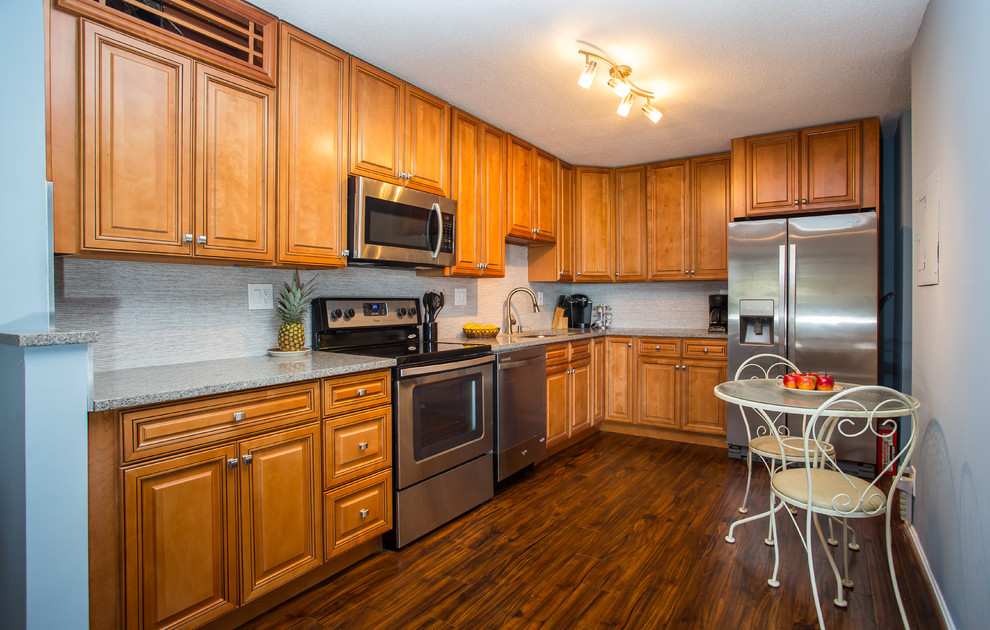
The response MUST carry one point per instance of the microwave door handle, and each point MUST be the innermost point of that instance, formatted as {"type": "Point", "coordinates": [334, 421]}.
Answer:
{"type": "Point", "coordinates": [436, 210]}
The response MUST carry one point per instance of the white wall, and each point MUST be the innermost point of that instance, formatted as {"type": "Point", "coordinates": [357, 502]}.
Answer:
{"type": "Point", "coordinates": [155, 313]}
{"type": "Point", "coordinates": [950, 132]}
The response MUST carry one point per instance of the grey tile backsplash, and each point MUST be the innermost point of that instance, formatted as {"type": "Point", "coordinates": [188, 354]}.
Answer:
{"type": "Point", "coordinates": [157, 313]}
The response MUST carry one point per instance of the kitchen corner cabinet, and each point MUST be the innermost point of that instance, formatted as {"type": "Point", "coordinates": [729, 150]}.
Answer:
{"type": "Point", "coordinates": [399, 133]}
{"type": "Point", "coordinates": [630, 224]}
{"type": "Point", "coordinates": [593, 198]}
{"type": "Point", "coordinates": [478, 185]}
{"type": "Point", "coordinates": [532, 193]}
{"type": "Point", "coordinates": [824, 168]}
{"type": "Point", "coordinates": [570, 396]}
{"type": "Point", "coordinates": [312, 151]}
{"type": "Point", "coordinates": [178, 157]}
{"type": "Point", "coordinates": [689, 217]}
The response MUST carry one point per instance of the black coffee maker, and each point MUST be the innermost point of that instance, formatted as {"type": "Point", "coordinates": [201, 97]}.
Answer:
{"type": "Point", "coordinates": [718, 313]}
{"type": "Point", "coordinates": [578, 311]}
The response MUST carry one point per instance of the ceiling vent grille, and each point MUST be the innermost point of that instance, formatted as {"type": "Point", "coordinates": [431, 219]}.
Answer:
{"type": "Point", "coordinates": [229, 33]}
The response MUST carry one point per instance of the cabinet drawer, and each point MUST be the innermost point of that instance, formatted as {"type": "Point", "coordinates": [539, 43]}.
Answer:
{"type": "Point", "coordinates": [358, 512]}
{"type": "Point", "coordinates": [704, 349]}
{"type": "Point", "coordinates": [151, 431]}
{"type": "Point", "coordinates": [348, 393]}
{"type": "Point", "coordinates": [557, 354]}
{"type": "Point", "coordinates": [356, 444]}
{"type": "Point", "coordinates": [659, 347]}
{"type": "Point", "coordinates": [580, 351]}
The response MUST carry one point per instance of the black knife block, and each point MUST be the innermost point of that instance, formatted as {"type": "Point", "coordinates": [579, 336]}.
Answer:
{"type": "Point", "coordinates": [430, 331]}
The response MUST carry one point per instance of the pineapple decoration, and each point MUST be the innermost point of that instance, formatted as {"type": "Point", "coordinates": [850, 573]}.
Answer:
{"type": "Point", "coordinates": [292, 306]}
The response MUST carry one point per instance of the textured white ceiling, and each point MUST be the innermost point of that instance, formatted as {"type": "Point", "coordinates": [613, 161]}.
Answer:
{"type": "Point", "coordinates": [723, 68]}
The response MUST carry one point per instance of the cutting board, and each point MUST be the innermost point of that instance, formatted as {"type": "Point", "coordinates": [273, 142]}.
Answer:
{"type": "Point", "coordinates": [559, 317]}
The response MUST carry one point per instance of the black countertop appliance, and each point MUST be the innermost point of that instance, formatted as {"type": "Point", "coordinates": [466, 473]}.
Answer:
{"type": "Point", "coordinates": [718, 313]}
{"type": "Point", "coordinates": [579, 311]}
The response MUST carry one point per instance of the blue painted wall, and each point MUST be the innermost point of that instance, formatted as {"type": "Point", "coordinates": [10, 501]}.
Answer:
{"type": "Point", "coordinates": [950, 132]}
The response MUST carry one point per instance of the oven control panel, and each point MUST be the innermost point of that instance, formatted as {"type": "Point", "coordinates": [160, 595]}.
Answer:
{"type": "Point", "coordinates": [345, 313]}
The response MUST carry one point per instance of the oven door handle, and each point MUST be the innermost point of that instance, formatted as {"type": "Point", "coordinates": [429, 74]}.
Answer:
{"type": "Point", "coordinates": [438, 368]}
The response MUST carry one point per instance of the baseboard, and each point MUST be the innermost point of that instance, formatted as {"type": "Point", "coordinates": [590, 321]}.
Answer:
{"type": "Point", "coordinates": [919, 551]}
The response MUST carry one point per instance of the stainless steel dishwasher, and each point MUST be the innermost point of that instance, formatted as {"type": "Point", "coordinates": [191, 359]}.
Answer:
{"type": "Point", "coordinates": [520, 410]}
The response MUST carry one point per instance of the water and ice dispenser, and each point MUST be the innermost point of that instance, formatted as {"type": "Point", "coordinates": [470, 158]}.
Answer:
{"type": "Point", "coordinates": [756, 322]}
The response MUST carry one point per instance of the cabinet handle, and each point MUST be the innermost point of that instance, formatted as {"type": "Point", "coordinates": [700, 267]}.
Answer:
{"type": "Point", "coordinates": [361, 392]}
{"type": "Point", "coordinates": [247, 459]}
{"type": "Point", "coordinates": [232, 462]}
{"type": "Point", "coordinates": [239, 415]}
{"type": "Point", "coordinates": [362, 446]}
{"type": "Point", "coordinates": [201, 239]}
{"type": "Point", "coordinates": [364, 512]}
{"type": "Point", "coordinates": [187, 238]}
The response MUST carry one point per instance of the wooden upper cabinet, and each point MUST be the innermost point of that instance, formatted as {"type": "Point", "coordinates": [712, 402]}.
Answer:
{"type": "Point", "coordinates": [235, 167]}
{"type": "Point", "coordinates": [711, 201]}
{"type": "Point", "coordinates": [532, 202]}
{"type": "Point", "coordinates": [312, 151]}
{"type": "Point", "coordinates": [137, 132]}
{"type": "Point", "coordinates": [565, 223]}
{"type": "Point", "coordinates": [593, 217]}
{"type": "Point", "coordinates": [477, 184]}
{"type": "Point", "coordinates": [630, 224]}
{"type": "Point", "coordinates": [824, 168]}
{"type": "Point", "coordinates": [670, 199]}
{"type": "Point", "coordinates": [399, 133]}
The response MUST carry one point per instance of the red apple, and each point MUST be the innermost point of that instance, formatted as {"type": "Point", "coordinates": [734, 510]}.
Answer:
{"type": "Point", "coordinates": [826, 383]}
{"type": "Point", "coordinates": [790, 380]}
{"type": "Point", "coordinates": [807, 381]}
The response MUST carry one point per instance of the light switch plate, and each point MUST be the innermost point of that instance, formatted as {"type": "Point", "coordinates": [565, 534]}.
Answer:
{"type": "Point", "coordinates": [260, 297]}
{"type": "Point", "coordinates": [460, 297]}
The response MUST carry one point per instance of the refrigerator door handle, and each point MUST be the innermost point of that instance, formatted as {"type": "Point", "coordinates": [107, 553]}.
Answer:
{"type": "Point", "coordinates": [781, 323]}
{"type": "Point", "coordinates": [792, 302]}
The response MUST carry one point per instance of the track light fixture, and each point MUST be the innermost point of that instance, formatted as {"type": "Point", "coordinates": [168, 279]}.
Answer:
{"type": "Point", "coordinates": [619, 83]}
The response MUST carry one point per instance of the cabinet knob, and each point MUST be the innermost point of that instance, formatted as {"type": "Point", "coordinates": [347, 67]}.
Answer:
{"type": "Point", "coordinates": [579, 273]}
{"type": "Point", "coordinates": [524, 451]}
{"type": "Point", "coordinates": [796, 202]}
{"type": "Point", "coordinates": [187, 238]}
{"type": "Point", "coordinates": [804, 201]}
{"type": "Point", "coordinates": [201, 239]}
{"type": "Point", "coordinates": [362, 446]}
{"type": "Point", "coordinates": [232, 462]}
{"type": "Point", "coordinates": [705, 350]}
{"type": "Point", "coordinates": [629, 344]}
{"type": "Point", "coordinates": [656, 347]}
{"type": "Point", "coordinates": [560, 273]}
{"type": "Point", "coordinates": [692, 271]}
{"type": "Point", "coordinates": [364, 512]}
{"type": "Point", "coordinates": [346, 252]}
{"type": "Point", "coordinates": [617, 274]}
{"type": "Point", "coordinates": [361, 392]}
{"type": "Point", "coordinates": [247, 459]}
{"type": "Point", "coordinates": [239, 415]}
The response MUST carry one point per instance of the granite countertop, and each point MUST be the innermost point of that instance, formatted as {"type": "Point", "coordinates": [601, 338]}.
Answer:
{"type": "Point", "coordinates": [162, 383]}
{"type": "Point", "coordinates": [49, 337]}
{"type": "Point", "coordinates": [132, 387]}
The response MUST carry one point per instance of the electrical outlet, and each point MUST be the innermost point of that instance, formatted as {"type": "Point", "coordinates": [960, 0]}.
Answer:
{"type": "Point", "coordinates": [460, 297]}
{"type": "Point", "coordinates": [539, 298]}
{"type": "Point", "coordinates": [260, 297]}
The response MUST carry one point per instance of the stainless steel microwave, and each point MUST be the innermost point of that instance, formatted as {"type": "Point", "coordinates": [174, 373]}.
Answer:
{"type": "Point", "coordinates": [394, 225]}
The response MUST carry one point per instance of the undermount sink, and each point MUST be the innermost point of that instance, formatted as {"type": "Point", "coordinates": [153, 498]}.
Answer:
{"type": "Point", "coordinates": [535, 335]}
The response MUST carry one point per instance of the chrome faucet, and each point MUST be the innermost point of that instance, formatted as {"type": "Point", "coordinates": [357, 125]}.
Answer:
{"type": "Point", "coordinates": [510, 321]}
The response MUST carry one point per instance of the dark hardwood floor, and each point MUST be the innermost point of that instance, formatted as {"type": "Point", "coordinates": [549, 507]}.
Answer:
{"type": "Point", "coordinates": [615, 532]}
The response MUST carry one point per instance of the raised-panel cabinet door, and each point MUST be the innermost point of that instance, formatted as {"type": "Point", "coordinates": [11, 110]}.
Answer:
{"type": "Point", "coordinates": [235, 166]}
{"type": "Point", "coordinates": [620, 369]}
{"type": "Point", "coordinates": [137, 134]}
{"type": "Point", "coordinates": [312, 151]}
{"type": "Point", "coordinates": [466, 189]}
{"type": "Point", "coordinates": [427, 143]}
{"type": "Point", "coordinates": [179, 540]}
{"type": "Point", "coordinates": [598, 379]}
{"type": "Point", "coordinates": [582, 397]}
{"type": "Point", "coordinates": [702, 411]}
{"type": "Point", "coordinates": [493, 200]}
{"type": "Point", "coordinates": [669, 224]}
{"type": "Point", "coordinates": [281, 508]}
{"type": "Point", "coordinates": [558, 404]}
{"type": "Point", "coordinates": [831, 173]}
{"type": "Point", "coordinates": [545, 201]}
{"type": "Point", "coordinates": [657, 387]}
{"type": "Point", "coordinates": [519, 212]}
{"type": "Point", "coordinates": [376, 123]}
{"type": "Point", "coordinates": [565, 223]}
{"type": "Point", "coordinates": [772, 173]}
{"type": "Point", "coordinates": [630, 224]}
{"type": "Point", "coordinates": [710, 177]}
{"type": "Point", "coordinates": [593, 210]}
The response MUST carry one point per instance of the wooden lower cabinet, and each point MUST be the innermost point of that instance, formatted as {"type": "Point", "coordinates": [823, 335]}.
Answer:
{"type": "Point", "coordinates": [597, 380]}
{"type": "Point", "coordinates": [357, 512]}
{"type": "Point", "coordinates": [570, 390]}
{"type": "Point", "coordinates": [665, 384]}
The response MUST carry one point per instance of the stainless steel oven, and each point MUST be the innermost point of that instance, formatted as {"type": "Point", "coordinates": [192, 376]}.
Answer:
{"type": "Point", "coordinates": [395, 225]}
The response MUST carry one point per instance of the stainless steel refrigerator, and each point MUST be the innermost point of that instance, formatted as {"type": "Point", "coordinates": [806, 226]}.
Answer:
{"type": "Point", "coordinates": [806, 289]}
